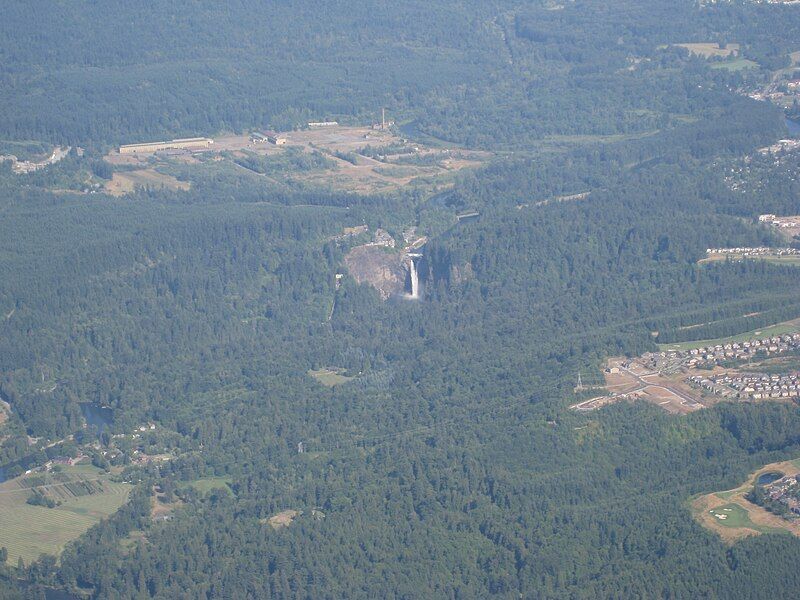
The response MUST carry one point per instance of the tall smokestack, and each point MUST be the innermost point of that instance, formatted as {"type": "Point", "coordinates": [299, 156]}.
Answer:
{"type": "Point", "coordinates": [383, 118]}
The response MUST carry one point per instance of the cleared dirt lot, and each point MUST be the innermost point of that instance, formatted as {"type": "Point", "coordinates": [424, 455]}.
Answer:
{"type": "Point", "coordinates": [127, 181]}
{"type": "Point", "coordinates": [283, 518]}
{"type": "Point", "coordinates": [362, 159]}
{"type": "Point", "coordinates": [627, 379]}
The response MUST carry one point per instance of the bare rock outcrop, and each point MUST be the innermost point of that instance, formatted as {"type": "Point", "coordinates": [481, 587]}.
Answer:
{"type": "Point", "coordinates": [384, 270]}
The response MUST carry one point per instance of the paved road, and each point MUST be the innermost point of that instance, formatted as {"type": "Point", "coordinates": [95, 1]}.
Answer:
{"type": "Point", "coordinates": [687, 399]}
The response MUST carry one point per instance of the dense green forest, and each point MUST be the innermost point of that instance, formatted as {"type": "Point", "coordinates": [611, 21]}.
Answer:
{"type": "Point", "coordinates": [489, 74]}
{"type": "Point", "coordinates": [446, 464]}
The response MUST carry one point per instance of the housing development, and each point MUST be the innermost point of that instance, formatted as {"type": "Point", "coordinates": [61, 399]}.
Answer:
{"type": "Point", "coordinates": [685, 380]}
{"type": "Point", "coordinates": [781, 497]}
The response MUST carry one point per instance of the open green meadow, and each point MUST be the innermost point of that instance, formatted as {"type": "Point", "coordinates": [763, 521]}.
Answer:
{"type": "Point", "coordinates": [206, 484]}
{"type": "Point", "coordinates": [764, 332]}
{"type": "Point", "coordinates": [28, 531]}
{"type": "Point", "coordinates": [791, 260]}
{"type": "Point", "coordinates": [738, 64]}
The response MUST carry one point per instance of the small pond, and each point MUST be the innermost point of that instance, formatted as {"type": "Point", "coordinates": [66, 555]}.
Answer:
{"type": "Point", "coordinates": [767, 478]}
{"type": "Point", "coordinates": [97, 417]}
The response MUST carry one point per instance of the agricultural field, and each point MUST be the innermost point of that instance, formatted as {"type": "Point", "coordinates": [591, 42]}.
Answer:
{"type": "Point", "coordinates": [789, 327]}
{"type": "Point", "coordinates": [734, 517]}
{"type": "Point", "coordinates": [86, 496]}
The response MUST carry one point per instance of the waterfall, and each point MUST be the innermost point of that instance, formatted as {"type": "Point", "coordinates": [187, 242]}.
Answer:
{"type": "Point", "coordinates": [414, 280]}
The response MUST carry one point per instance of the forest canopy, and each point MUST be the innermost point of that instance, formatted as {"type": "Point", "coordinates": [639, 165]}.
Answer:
{"type": "Point", "coordinates": [284, 431]}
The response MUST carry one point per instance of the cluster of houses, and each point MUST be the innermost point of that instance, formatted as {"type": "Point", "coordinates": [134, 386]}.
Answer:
{"type": "Point", "coordinates": [65, 461]}
{"type": "Point", "coordinates": [780, 146]}
{"type": "Point", "coordinates": [786, 491]}
{"type": "Point", "coordinates": [382, 238]}
{"type": "Point", "coordinates": [20, 167]}
{"type": "Point", "coordinates": [750, 386]}
{"type": "Point", "coordinates": [756, 251]}
{"type": "Point", "coordinates": [780, 222]}
{"type": "Point", "coordinates": [711, 355]}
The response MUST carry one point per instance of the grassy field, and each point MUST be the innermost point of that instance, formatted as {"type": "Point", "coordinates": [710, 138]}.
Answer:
{"type": "Point", "coordinates": [732, 515]}
{"type": "Point", "coordinates": [29, 531]}
{"type": "Point", "coordinates": [738, 64]}
{"type": "Point", "coordinates": [779, 329]}
{"type": "Point", "coordinates": [329, 377]}
{"type": "Point", "coordinates": [127, 181]}
{"type": "Point", "coordinates": [783, 260]}
{"type": "Point", "coordinates": [206, 484]}
{"type": "Point", "coordinates": [711, 49]}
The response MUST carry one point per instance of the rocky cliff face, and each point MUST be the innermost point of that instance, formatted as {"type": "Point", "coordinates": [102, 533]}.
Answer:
{"type": "Point", "coordinates": [385, 271]}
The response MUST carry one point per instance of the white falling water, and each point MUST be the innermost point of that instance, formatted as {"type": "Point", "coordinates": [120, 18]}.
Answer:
{"type": "Point", "coordinates": [414, 279]}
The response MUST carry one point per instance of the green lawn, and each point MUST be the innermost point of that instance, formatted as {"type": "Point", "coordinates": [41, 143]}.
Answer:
{"type": "Point", "coordinates": [778, 329]}
{"type": "Point", "coordinates": [737, 64]}
{"type": "Point", "coordinates": [737, 516]}
{"type": "Point", "coordinates": [29, 531]}
{"type": "Point", "coordinates": [791, 261]}
{"type": "Point", "coordinates": [206, 484]}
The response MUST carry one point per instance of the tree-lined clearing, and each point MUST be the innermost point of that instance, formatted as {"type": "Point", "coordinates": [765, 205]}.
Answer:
{"type": "Point", "coordinates": [734, 517]}
{"type": "Point", "coordinates": [787, 327]}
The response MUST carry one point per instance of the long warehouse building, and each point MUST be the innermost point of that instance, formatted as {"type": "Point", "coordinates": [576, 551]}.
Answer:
{"type": "Point", "coordinates": [181, 144]}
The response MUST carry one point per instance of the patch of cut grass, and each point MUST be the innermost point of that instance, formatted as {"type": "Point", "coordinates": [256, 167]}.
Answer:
{"type": "Point", "coordinates": [206, 484]}
{"type": "Point", "coordinates": [736, 516]}
{"type": "Point", "coordinates": [738, 64]}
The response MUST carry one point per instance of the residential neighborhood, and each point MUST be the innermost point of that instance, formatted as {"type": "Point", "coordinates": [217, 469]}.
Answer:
{"type": "Point", "coordinates": [760, 251]}
{"type": "Point", "coordinates": [781, 497]}
{"type": "Point", "coordinates": [682, 381]}
{"type": "Point", "coordinates": [748, 386]}
{"type": "Point", "coordinates": [672, 360]}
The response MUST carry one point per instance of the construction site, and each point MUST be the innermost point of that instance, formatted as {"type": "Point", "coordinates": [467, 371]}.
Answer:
{"type": "Point", "coordinates": [682, 381]}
